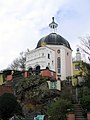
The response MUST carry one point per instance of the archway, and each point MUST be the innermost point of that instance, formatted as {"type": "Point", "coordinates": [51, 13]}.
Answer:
{"type": "Point", "coordinates": [30, 70]}
{"type": "Point", "coordinates": [37, 70]}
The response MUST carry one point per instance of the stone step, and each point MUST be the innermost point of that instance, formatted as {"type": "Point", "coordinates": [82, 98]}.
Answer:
{"type": "Point", "coordinates": [79, 116]}
{"type": "Point", "coordinates": [78, 110]}
{"type": "Point", "coordinates": [79, 113]}
{"type": "Point", "coordinates": [80, 119]}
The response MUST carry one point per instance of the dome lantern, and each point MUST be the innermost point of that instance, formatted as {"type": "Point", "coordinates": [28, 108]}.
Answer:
{"type": "Point", "coordinates": [53, 25]}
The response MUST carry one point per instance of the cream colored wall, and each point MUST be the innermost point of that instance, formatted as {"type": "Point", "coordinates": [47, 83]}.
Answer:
{"type": "Point", "coordinates": [1, 79]}
{"type": "Point", "coordinates": [58, 84]}
{"type": "Point", "coordinates": [35, 57]}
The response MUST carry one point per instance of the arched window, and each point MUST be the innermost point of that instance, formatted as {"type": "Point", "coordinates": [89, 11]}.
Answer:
{"type": "Point", "coordinates": [38, 67]}
{"type": "Point", "coordinates": [30, 70]}
{"type": "Point", "coordinates": [37, 70]}
{"type": "Point", "coordinates": [58, 65]}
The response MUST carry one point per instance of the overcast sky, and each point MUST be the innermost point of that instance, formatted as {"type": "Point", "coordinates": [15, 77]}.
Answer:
{"type": "Point", "coordinates": [24, 22]}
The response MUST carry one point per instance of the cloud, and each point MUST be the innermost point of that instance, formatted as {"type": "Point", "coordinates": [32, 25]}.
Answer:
{"type": "Point", "coordinates": [20, 24]}
{"type": "Point", "coordinates": [24, 22]}
{"type": "Point", "coordinates": [74, 21]}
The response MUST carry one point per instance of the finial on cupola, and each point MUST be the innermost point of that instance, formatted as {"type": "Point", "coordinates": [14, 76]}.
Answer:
{"type": "Point", "coordinates": [53, 25]}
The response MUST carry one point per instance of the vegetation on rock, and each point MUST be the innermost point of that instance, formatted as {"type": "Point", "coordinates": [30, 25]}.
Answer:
{"type": "Point", "coordinates": [34, 94]}
{"type": "Point", "coordinates": [85, 102]}
{"type": "Point", "coordinates": [57, 110]}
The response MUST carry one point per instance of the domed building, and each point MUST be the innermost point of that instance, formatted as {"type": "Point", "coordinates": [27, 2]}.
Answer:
{"type": "Point", "coordinates": [52, 52]}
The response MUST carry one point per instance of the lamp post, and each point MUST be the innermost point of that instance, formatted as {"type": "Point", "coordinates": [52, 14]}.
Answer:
{"type": "Point", "coordinates": [76, 94]}
{"type": "Point", "coordinates": [79, 78]}
{"type": "Point", "coordinates": [75, 84]}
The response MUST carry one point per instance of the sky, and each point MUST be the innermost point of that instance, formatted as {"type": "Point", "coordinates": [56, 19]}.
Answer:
{"type": "Point", "coordinates": [24, 22]}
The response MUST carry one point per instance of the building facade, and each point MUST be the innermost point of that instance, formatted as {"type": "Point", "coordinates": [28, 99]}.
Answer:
{"type": "Point", "coordinates": [80, 70]}
{"type": "Point", "coordinates": [52, 52]}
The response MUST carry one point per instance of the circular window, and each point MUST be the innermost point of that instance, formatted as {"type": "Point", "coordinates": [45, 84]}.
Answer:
{"type": "Point", "coordinates": [67, 53]}
{"type": "Point", "coordinates": [58, 51]}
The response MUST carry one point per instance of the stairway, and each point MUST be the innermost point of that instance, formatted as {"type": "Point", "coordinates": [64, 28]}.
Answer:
{"type": "Point", "coordinates": [79, 113]}
{"type": "Point", "coordinates": [30, 116]}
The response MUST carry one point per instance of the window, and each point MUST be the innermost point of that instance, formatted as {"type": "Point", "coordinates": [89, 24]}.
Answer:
{"type": "Point", "coordinates": [48, 56]}
{"type": "Point", "coordinates": [30, 70]}
{"type": "Point", "coordinates": [52, 73]}
{"type": "Point", "coordinates": [37, 70]}
{"type": "Point", "coordinates": [53, 84]}
{"type": "Point", "coordinates": [42, 54]}
{"type": "Point", "coordinates": [58, 65]}
{"type": "Point", "coordinates": [52, 62]}
{"type": "Point", "coordinates": [53, 26]}
{"type": "Point", "coordinates": [58, 51]}
{"type": "Point", "coordinates": [48, 64]}
{"type": "Point", "coordinates": [77, 67]}
{"type": "Point", "coordinates": [58, 70]}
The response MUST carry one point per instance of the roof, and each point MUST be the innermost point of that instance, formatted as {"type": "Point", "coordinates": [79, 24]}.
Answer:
{"type": "Point", "coordinates": [53, 39]}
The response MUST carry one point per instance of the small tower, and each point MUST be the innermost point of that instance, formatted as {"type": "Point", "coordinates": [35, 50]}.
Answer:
{"type": "Point", "coordinates": [78, 55]}
{"type": "Point", "coordinates": [53, 25]}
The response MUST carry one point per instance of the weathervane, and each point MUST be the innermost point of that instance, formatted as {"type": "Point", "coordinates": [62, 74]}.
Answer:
{"type": "Point", "coordinates": [53, 25]}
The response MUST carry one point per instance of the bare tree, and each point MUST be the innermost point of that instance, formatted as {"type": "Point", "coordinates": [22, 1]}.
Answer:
{"type": "Point", "coordinates": [18, 63]}
{"type": "Point", "coordinates": [85, 45]}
